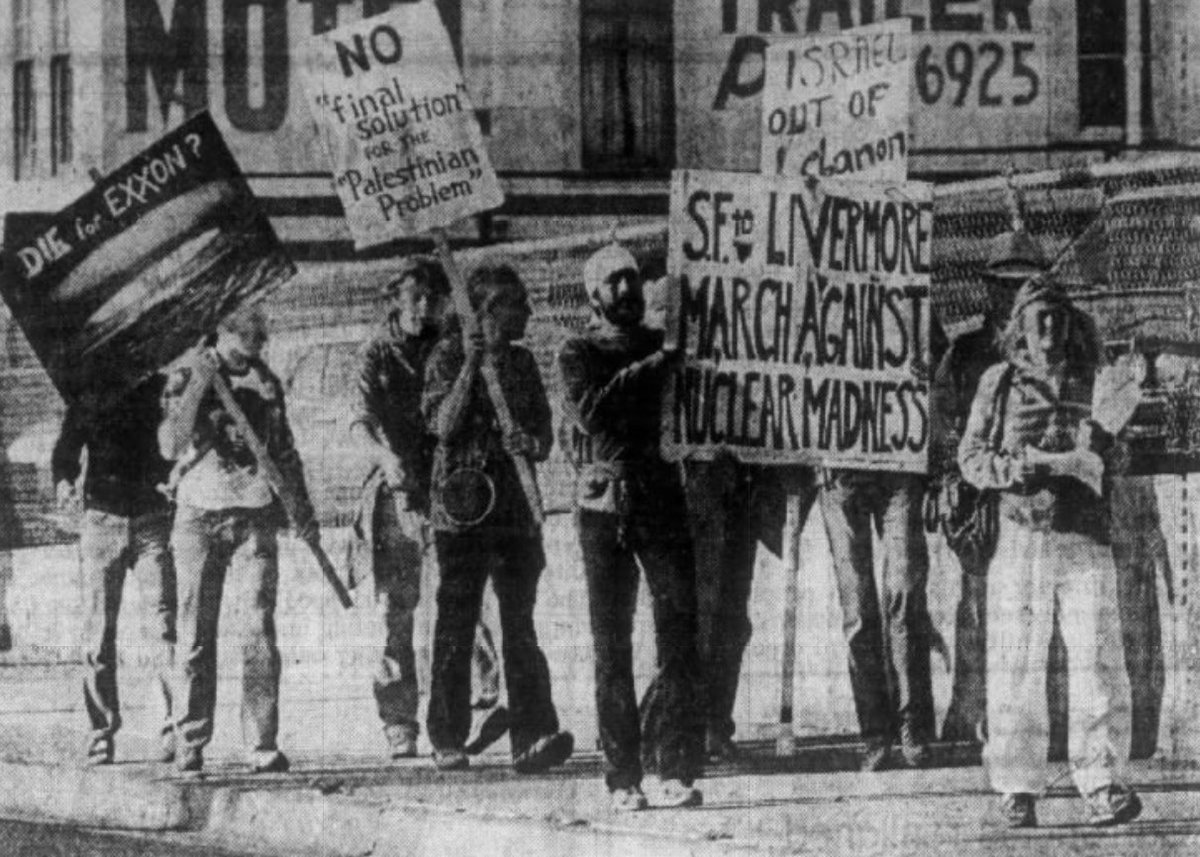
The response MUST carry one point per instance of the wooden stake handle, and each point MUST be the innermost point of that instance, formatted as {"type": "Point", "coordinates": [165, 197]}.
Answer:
{"type": "Point", "coordinates": [278, 485]}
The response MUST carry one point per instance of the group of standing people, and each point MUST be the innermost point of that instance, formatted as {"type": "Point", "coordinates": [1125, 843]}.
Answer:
{"type": "Point", "coordinates": [1013, 424]}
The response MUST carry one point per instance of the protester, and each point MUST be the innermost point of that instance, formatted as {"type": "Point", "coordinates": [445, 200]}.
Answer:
{"type": "Point", "coordinates": [1035, 428]}
{"type": "Point", "coordinates": [393, 519]}
{"type": "Point", "coordinates": [732, 507]}
{"type": "Point", "coordinates": [965, 515]}
{"type": "Point", "coordinates": [126, 527]}
{"type": "Point", "coordinates": [484, 526]}
{"type": "Point", "coordinates": [889, 647]}
{"type": "Point", "coordinates": [630, 507]}
{"type": "Point", "coordinates": [226, 521]}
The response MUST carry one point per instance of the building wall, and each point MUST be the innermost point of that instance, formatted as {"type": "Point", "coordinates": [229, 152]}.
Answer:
{"type": "Point", "coordinates": [522, 62]}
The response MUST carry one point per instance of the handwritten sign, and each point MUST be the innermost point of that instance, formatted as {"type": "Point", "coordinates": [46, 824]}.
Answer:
{"type": "Point", "coordinates": [838, 105]}
{"type": "Point", "coordinates": [399, 128]}
{"type": "Point", "coordinates": [803, 315]}
{"type": "Point", "coordinates": [134, 272]}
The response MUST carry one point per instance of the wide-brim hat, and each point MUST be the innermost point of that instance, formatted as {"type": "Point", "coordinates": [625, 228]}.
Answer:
{"type": "Point", "coordinates": [1015, 255]}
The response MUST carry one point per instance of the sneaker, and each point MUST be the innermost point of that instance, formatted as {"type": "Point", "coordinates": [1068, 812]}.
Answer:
{"type": "Point", "coordinates": [100, 750]}
{"type": "Point", "coordinates": [673, 794]}
{"type": "Point", "coordinates": [720, 748]}
{"type": "Point", "coordinates": [166, 746]}
{"type": "Point", "coordinates": [1018, 810]}
{"type": "Point", "coordinates": [268, 762]}
{"type": "Point", "coordinates": [914, 746]}
{"type": "Point", "coordinates": [875, 755]}
{"type": "Point", "coordinates": [401, 740]}
{"type": "Point", "coordinates": [546, 752]}
{"type": "Point", "coordinates": [628, 800]}
{"type": "Point", "coordinates": [1112, 805]}
{"type": "Point", "coordinates": [450, 760]}
{"type": "Point", "coordinates": [488, 728]}
{"type": "Point", "coordinates": [190, 761]}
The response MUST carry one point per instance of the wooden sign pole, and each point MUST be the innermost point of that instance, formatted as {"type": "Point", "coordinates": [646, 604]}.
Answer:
{"type": "Point", "coordinates": [278, 484]}
{"type": "Point", "coordinates": [462, 304]}
{"type": "Point", "coordinates": [785, 742]}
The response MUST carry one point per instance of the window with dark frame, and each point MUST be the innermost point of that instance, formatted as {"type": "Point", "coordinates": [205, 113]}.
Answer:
{"type": "Point", "coordinates": [24, 115]}
{"type": "Point", "coordinates": [60, 86]}
{"type": "Point", "coordinates": [627, 98]}
{"type": "Point", "coordinates": [1101, 62]}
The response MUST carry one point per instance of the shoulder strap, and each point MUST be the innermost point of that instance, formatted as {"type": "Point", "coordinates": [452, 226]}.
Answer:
{"type": "Point", "coordinates": [1000, 406]}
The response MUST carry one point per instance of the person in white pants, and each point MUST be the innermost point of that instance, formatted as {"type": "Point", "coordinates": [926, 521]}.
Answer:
{"type": "Point", "coordinates": [1041, 433]}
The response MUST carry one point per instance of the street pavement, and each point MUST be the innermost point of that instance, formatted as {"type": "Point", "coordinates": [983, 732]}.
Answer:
{"type": "Point", "coordinates": [344, 797]}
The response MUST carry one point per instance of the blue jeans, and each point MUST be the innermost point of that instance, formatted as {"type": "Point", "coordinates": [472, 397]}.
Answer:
{"type": "Point", "coordinates": [889, 647]}
{"type": "Point", "coordinates": [110, 546]}
{"type": "Point", "coordinates": [207, 544]}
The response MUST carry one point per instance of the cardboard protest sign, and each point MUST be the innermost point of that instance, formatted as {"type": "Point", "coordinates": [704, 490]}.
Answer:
{"type": "Point", "coordinates": [139, 268]}
{"type": "Point", "coordinates": [400, 131]}
{"type": "Point", "coordinates": [838, 105]}
{"type": "Point", "coordinates": [803, 317]}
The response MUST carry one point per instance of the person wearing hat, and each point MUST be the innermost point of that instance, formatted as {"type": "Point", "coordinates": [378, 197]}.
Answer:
{"type": "Point", "coordinates": [630, 510]}
{"type": "Point", "coordinates": [1013, 257]}
{"type": "Point", "coordinates": [226, 520]}
{"type": "Point", "coordinates": [391, 528]}
{"type": "Point", "coordinates": [1042, 432]}
{"type": "Point", "coordinates": [484, 527]}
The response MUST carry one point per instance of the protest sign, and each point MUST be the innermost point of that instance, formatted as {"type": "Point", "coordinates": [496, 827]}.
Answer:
{"type": "Point", "coordinates": [803, 319]}
{"type": "Point", "coordinates": [838, 105]}
{"type": "Point", "coordinates": [134, 272]}
{"type": "Point", "coordinates": [398, 125]}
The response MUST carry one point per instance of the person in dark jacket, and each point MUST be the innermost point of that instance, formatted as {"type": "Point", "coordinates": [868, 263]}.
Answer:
{"type": "Point", "coordinates": [483, 523]}
{"type": "Point", "coordinates": [226, 522]}
{"type": "Point", "coordinates": [393, 523]}
{"type": "Point", "coordinates": [630, 510]}
{"type": "Point", "coordinates": [126, 528]}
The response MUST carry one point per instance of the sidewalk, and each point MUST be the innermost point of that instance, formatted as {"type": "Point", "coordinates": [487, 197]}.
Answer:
{"type": "Point", "coordinates": [344, 798]}
{"type": "Point", "coordinates": [811, 803]}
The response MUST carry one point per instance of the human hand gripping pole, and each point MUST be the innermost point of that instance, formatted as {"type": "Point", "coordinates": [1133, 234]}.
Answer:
{"type": "Point", "coordinates": [462, 304]}
{"type": "Point", "coordinates": [279, 485]}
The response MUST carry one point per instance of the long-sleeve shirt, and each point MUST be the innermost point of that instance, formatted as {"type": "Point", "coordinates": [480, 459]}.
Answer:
{"type": "Point", "coordinates": [125, 467]}
{"type": "Point", "coordinates": [477, 442]}
{"type": "Point", "coordinates": [221, 471]}
{"type": "Point", "coordinates": [391, 385]}
{"type": "Point", "coordinates": [612, 394]}
{"type": "Point", "coordinates": [954, 385]}
{"type": "Point", "coordinates": [1035, 415]}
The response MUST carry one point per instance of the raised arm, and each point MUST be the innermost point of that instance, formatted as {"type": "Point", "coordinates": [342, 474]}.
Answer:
{"type": "Point", "coordinates": [593, 402]}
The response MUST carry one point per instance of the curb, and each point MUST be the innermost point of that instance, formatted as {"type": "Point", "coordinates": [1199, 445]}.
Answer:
{"type": "Point", "coordinates": [92, 796]}
{"type": "Point", "coordinates": [306, 822]}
